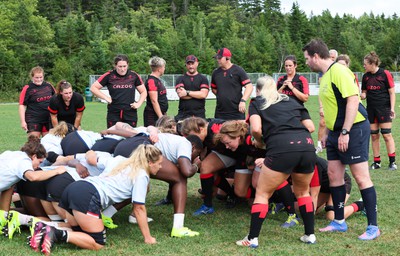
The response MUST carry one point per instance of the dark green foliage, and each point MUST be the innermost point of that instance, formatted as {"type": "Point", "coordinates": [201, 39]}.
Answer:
{"type": "Point", "coordinates": [72, 39]}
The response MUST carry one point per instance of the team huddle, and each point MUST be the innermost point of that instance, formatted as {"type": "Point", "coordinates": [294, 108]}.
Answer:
{"type": "Point", "coordinates": [71, 182]}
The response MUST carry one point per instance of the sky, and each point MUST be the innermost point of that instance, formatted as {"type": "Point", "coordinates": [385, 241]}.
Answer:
{"type": "Point", "coordinates": [353, 7]}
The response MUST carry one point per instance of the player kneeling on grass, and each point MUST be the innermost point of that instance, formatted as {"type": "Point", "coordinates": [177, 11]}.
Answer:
{"type": "Point", "coordinates": [83, 200]}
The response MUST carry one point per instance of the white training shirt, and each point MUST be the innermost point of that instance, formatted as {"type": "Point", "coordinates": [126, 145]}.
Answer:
{"type": "Point", "coordinates": [102, 160]}
{"type": "Point", "coordinates": [117, 188]}
{"type": "Point", "coordinates": [173, 147]}
{"type": "Point", "coordinates": [13, 165]}
{"type": "Point", "coordinates": [52, 143]}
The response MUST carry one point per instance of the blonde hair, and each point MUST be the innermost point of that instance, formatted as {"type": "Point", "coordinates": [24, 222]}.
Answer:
{"type": "Point", "coordinates": [268, 90]}
{"type": "Point", "coordinates": [138, 160]}
{"type": "Point", "coordinates": [36, 70]}
{"type": "Point", "coordinates": [345, 58]}
{"type": "Point", "coordinates": [61, 129]}
{"type": "Point", "coordinates": [233, 129]}
{"type": "Point", "coordinates": [156, 62]}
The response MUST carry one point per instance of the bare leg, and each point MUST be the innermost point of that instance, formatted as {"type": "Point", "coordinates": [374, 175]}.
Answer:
{"type": "Point", "coordinates": [5, 199]}
{"type": "Point", "coordinates": [87, 223]}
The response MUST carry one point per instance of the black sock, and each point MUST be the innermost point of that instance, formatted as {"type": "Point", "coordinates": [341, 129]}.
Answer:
{"type": "Point", "coordinates": [258, 214]}
{"type": "Point", "coordinates": [359, 205]}
{"type": "Point", "coordinates": [60, 235]}
{"type": "Point", "coordinates": [169, 194]}
{"type": "Point", "coordinates": [369, 199]}
{"type": "Point", "coordinates": [338, 197]}
{"type": "Point", "coordinates": [287, 197]}
{"type": "Point", "coordinates": [392, 157]}
{"type": "Point", "coordinates": [225, 186]}
{"type": "Point", "coordinates": [207, 186]}
{"type": "Point", "coordinates": [306, 208]}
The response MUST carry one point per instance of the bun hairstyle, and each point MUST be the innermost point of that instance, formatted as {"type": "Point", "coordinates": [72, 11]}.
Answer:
{"type": "Point", "coordinates": [33, 147]}
{"type": "Point", "coordinates": [372, 58]}
{"type": "Point", "coordinates": [62, 85]}
{"type": "Point", "coordinates": [233, 129]}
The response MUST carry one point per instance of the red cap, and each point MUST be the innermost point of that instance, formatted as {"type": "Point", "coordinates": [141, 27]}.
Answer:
{"type": "Point", "coordinates": [191, 58]}
{"type": "Point", "coordinates": [223, 52]}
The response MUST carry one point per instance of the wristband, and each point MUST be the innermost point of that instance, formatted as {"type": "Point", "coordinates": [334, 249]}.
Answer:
{"type": "Point", "coordinates": [187, 92]}
{"type": "Point", "coordinates": [242, 100]}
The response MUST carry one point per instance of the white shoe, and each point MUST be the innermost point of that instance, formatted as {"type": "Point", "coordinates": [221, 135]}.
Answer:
{"type": "Point", "coordinates": [132, 219]}
{"type": "Point", "coordinates": [311, 239]}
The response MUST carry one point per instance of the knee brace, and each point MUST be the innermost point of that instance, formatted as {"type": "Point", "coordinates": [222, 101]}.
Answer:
{"type": "Point", "coordinates": [328, 208]}
{"type": "Point", "coordinates": [374, 131]}
{"type": "Point", "coordinates": [386, 131]}
{"type": "Point", "coordinates": [99, 237]}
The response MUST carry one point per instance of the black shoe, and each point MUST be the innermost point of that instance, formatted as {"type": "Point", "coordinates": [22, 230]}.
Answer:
{"type": "Point", "coordinates": [230, 202]}
{"type": "Point", "coordinates": [164, 201]}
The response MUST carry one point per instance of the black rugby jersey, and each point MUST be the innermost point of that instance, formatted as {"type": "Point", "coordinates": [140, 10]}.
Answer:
{"type": "Point", "coordinates": [66, 113]}
{"type": "Point", "coordinates": [36, 98]}
{"type": "Point", "coordinates": [192, 107]}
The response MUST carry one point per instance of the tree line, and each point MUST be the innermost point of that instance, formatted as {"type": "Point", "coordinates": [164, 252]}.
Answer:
{"type": "Point", "coordinates": [73, 39]}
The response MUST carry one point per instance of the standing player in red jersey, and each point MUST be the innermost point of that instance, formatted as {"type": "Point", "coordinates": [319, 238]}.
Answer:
{"type": "Point", "coordinates": [66, 106]}
{"type": "Point", "coordinates": [121, 83]}
{"type": "Point", "coordinates": [378, 89]}
{"type": "Point", "coordinates": [33, 102]}
{"type": "Point", "coordinates": [157, 101]}
{"type": "Point", "coordinates": [292, 84]}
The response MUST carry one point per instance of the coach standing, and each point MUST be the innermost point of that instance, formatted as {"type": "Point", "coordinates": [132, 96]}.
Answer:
{"type": "Point", "coordinates": [348, 139]}
{"type": "Point", "coordinates": [227, 82]}
{"type": "Point", "coordinates": [192, 89]}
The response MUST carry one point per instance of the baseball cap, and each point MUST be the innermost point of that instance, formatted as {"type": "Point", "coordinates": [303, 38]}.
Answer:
{"type": "Point", "coordinates": [191, 58]}
{"type": "Point", "coordinates": [223, 52]}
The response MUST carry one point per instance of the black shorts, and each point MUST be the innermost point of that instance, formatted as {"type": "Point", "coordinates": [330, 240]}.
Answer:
{"type": "Point", "coordinates": [150, 117]}
{"type": "Point", "coordinates": [73, 144]}
{"type": "Point", "coordinates": [325, 184]}
{"type": "Point", "coordinates": [105, 145]}
{"type": "Point", "coordinates": [358, 148]}
{"type": "Point", "coordinates": [56, 186]}
{"type": "Point", "coordinates": [126, 147]}
{"type": "Point", "coordinates": [35, 189]}
{"type": "Point", "coordinates": [38, 127]}
{"type": "Point", "coordinates": [298, 162]}
{"type": "Point", "coordinates": [128, 116]}
{"type": "Point", "coordinates": [379, 115]}
{"type": "Point", "coordinates": [81, 196]}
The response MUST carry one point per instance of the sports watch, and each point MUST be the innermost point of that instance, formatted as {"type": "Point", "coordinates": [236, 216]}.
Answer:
{"type": "Point", "coordinates": [344, 132]}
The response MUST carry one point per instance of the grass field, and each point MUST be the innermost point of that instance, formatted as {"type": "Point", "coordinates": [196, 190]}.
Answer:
{"type": "Point", "coordinates": [219, 231]}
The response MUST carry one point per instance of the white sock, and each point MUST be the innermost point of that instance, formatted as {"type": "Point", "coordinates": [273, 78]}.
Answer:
{"type": "Point", "coordinates": [24, 219]}
{"type": "Point", "coordinates": [339, 221]}
{"type": "Point", "coordinates": [55, 217]}
{"type": "Point", "coordinates": [179, 218]}
{"type": "Point", "coordinates": [52, 224]}
{"type": "Point", "coordinates": [5, 213]}
{"type": "Point", "coordinates": [109, 211]}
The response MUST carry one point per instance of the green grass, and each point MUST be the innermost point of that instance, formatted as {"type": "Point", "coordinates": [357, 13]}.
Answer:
{"type": "Point", "coordinates": [219, 231]}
